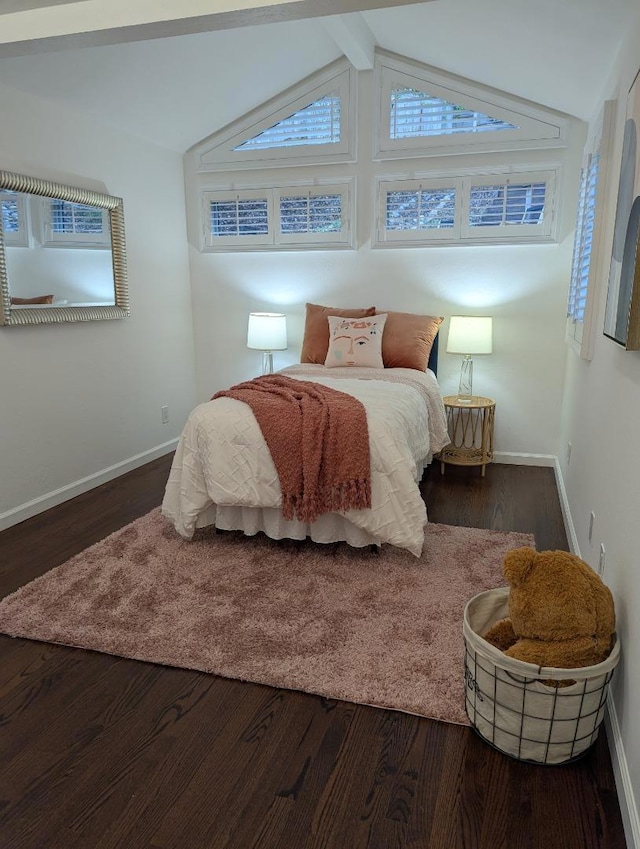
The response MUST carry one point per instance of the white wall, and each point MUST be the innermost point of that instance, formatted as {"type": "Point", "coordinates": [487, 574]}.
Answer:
{"type": "Point", "coordinates": [600, 418]}
{"type": "Point", "coordinates": [524, 287]}
{"type": "Point", "coordinates": [76, 399]}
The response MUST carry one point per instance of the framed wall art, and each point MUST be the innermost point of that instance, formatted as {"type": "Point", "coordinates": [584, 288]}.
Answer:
{"type": "Point", "coordinates": [622, 314]}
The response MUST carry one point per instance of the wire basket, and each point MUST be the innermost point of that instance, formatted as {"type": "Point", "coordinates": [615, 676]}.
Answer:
{"type": "Point", "coordinates": [511, 707]}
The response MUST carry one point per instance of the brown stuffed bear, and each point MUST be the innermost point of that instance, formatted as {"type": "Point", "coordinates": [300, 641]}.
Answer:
{"type": "Point", "coordinates": [561, 613]}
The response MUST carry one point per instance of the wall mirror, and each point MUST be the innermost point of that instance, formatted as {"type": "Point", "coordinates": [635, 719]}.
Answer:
{"type": "Point", "coordinates": [62, 253]}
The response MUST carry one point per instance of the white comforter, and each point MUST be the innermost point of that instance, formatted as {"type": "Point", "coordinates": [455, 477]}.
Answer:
{"type": "Point", "coordinates": [223, 459]}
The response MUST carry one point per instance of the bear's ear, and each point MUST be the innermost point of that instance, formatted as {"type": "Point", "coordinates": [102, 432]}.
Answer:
{"type": "Point", "coordinates": [517, 565]}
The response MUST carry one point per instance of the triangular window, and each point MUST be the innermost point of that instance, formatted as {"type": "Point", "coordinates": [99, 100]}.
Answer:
{"type": "Point", "coordinates": [309, 124]}
{"type": "Point", "coordinates": [424, 112]}
{"type": "Point", "coordinates": [415, 114]}
{"type": "Point", "coordinates": [317, 123]}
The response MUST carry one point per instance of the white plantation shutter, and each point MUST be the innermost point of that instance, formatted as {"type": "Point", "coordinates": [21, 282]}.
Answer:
{"type": "Point", "coordinates": [311, 214]}
{"type": "Point", "coordinates": [277, 218]}
{"type": "Point", "coordinates": [311, 123]}
{"type": "Point", "coordinates": [418, 212]}
{"type": "Point", "coordinates": [318, 123]}
{"type": "Point", "coordinates": [494, 205]}
{"type": "Point", "coordinates": [415, 114]}
{"type": "Point", "coordinates": [500, 208]}
{"type": "Point", "coordinates": [581, 266]}
{"type": "Point", "coordinates": [313, 217]}
{"type": "Point", "coordinates": [586, 267]}
{"type": "Point", "coordinates": [69, 217]}
{"type": "Point", "coordinates": [421, 111]}
{"type": "Point", "coordinates": [239, 217]}
{"type": "Point", "coordinates": [421, 209]}
{"type": "Point", "coordinates": [74, 225]}
{"type": "Point", "coordinates": [14, 221]}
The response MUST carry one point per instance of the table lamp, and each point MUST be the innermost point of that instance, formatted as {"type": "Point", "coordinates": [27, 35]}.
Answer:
{"type": "Point", "coordinates": [468, 335]}
{"type": "Point", "coordinates": [267, 332]}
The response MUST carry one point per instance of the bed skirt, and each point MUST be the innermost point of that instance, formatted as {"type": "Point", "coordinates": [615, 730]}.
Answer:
{"type": "Point", "coordinates": [330, 527]}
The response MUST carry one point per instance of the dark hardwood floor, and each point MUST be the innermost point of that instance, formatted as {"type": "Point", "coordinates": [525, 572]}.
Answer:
{"type": "Point", "coordinates": [99, 752]}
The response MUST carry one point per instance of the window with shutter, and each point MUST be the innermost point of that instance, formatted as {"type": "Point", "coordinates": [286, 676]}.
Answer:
{"type": "Point", "coordinates": [466, 210]}
{"type": "Point", "coordinates": [583, 240]}
{"type": "Point", "coordinates": [424, 112]}
{"type": "Point", "coordinates": [415, 114]}
{"type": "Point", "coordinates": [277, 218]}
{"type": "Point", "coordinates": [318, 123]}
{"type": "Point", "coordinates": [15, 228]}
{"type": "Point", "coordinates": [309, 124]}
{"type": "Point", "coordinates": [68, 225]}
{"type": "Point", "coordinates": [586, 255]}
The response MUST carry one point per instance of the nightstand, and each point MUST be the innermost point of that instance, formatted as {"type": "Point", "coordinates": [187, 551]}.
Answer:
{"type": "Point", "coordinates": [470, 426]}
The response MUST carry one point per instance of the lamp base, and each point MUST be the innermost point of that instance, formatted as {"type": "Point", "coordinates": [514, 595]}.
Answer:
{"type": "Point", "coordinates": [267, 362]}
{"type": "Point", "coordinates": [465, 389]}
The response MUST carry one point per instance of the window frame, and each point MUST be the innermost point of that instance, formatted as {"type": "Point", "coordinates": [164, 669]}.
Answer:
{"type": "Point", "coordinates": [91, 241]}
{"type": "Point", "coordinates": [463, 233]}
{"type": "Point", "coordinates": [21, 238]}
{"type": "Point", "coordinates": [256, 241]}
{"type": "Point", "coordinates": [331, 238]}
{"type": "Point", "coordinates": [397, 238]}
{"type": "Point", "coordinates": [521, 232]}
{"type": "Point", "coordinates": [536, 127]}
{"type": "Point", "coordinates": [217, 153]}
{"type": "Point", "coordinates": [580, 334]}
{"type": "Point", "coordinates": [274, 239]}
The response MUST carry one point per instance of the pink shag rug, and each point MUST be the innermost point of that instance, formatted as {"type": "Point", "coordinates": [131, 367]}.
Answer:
{"type": "Point", "coordinates": [383, 630]}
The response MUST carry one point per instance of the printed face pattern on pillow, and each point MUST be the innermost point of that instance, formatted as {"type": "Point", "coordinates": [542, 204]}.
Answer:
{"type": "Point", "coordinates": [355, 341]}
{"type": "Point", "coordinates": [315, 343]}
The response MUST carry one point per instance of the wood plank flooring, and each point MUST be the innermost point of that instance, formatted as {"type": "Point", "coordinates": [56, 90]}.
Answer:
{"type": "Point", "coordinates": [99, 752]}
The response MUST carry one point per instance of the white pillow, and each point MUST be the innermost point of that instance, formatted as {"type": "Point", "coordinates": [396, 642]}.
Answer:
{"type": "Point", "coordinates": [355, 341]}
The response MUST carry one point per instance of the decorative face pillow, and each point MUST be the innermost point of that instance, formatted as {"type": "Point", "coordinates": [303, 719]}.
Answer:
{"type": "Point", "coordinates": [355, 341]}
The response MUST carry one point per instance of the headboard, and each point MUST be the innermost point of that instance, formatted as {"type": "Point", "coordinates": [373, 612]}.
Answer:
{"type": "Point", "coordinates": [433, 356]}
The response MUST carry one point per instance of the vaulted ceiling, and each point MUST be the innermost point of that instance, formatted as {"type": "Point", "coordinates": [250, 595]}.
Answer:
{"type": "Point", "coordinates": [174, 89]}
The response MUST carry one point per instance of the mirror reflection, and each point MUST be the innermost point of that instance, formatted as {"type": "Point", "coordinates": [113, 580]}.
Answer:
{"type": "Point", "coordinates": [61, 253]}
{"type": "Point", "coordinates": [57, 252]}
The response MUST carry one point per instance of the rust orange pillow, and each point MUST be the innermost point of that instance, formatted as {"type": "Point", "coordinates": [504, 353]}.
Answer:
{"type": "Point", "coordinates": [315, 342]}
{"type": "Point", "coordinates": [40, 299]}
{"type": "Point", "coordinates": [408, 339]}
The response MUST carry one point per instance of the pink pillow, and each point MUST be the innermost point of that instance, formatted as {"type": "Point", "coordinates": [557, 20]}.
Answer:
{"type": "Point", "coordinates": [408, 339]}
{"type": "Point", "coordinates": [355, 341]}
{"type": "Point", "coordinates": [315, 342]}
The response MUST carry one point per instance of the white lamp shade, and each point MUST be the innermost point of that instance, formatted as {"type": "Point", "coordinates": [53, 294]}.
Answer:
{"type": "Point", "coordinates": [267, 331]}
{"type": "Point", "coordinates": [470, 334]}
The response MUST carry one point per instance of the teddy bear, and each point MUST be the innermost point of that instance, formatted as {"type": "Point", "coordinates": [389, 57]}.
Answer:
{"type": "Point", "coordinates": [561, 614]}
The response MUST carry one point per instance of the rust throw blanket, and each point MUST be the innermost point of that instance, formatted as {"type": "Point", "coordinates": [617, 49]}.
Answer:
{"type": "Point", "coordinates": [318, 439]}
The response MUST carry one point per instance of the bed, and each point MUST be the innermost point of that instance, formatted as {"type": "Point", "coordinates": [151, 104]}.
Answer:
{"type": "Point", "coordinates": [223, 474]}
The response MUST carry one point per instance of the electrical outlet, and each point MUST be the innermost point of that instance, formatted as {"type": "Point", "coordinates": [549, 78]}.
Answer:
{"type": "Point", "coordinates": [601, 561]}
{"type": "Point", "coordinates": [568, 453]}
{"type": "Point", "coordinates": [592, 519]}
{"type": "Point", "coordinates": [165, 414]}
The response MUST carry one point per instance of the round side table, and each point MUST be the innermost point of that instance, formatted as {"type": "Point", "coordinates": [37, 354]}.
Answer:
{"type": "Point", "coordinates": [470, 425]}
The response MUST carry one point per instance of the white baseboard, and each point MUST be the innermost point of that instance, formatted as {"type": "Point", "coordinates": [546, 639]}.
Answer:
{"type": "Point", "coordinates": [628, 807]}
{"type": "Point", "coordinates": [513, 459]}
{"type": "Point", "coordinates": [570, 528]}
{"type": "Point", "coordinates": [626, 798]}
{"type": "Point", "coordinates": [65, 493]}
